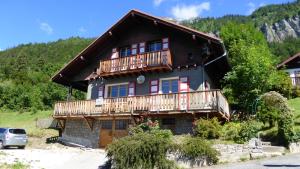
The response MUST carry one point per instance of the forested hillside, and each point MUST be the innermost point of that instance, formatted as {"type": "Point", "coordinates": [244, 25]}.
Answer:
{"type": "Point", "coordinates": [25, 73]}
{"type": "Point", "coordinates": [25, 70]}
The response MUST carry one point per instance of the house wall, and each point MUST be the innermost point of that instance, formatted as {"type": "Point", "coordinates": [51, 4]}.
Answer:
{"type": "Point", "coordinates": [181, 45]}
{"type": "Point", "coordinates": [292, 74]}
{"type": "Point", "coordinates": [77, 131]}
{"type": "Point", "coordinates": [194, 74]}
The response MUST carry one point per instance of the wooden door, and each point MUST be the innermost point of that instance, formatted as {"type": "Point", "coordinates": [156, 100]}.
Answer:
{"type": "Point", "coordinates": [106, 133]}
{"type": "Point", "coordinates": [112, 129]}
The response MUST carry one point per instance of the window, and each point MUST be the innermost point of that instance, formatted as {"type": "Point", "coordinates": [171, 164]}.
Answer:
{"type": "Point", "coordinates": [165, 42]}
{"type": "Point", "coordinates": [100, 91]}
{"type": "Point", "coordinates": [106, 124]}
{"type": "Point", "coordinates": [121, 124]}
{"type": "Point", "coordinates": [154, 86]}
{"type": "Point", "coordinates": [17, 131]}
{"type": "Point", "coordinates": [134, 49]}
{"type": "Point", "coordinates": [168, 121]}
{"type": "Point", "coordinates": [125, 51]}
{"type": "Point", "coordinates": [2, 130]}
{"type": "Point", "coordinates": [117, 90]}
{"type": "Point", "coordinates": [154, 46]}
{"type": "Point", "coordinates": [169, 86]}
{"type": "Point", "coordinates": [142, 47]}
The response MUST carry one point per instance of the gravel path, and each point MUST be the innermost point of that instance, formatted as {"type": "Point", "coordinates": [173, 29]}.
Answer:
{"type": "Point", "coordinates": [60, 158]}
{"type": "Point", "coordinates": [281, 162]}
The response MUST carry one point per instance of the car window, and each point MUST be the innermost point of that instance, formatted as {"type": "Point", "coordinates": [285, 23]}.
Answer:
{"type": "Point", "coordinates": [17, 131]}
{"type": "Point", "coordinates": [2, 130]}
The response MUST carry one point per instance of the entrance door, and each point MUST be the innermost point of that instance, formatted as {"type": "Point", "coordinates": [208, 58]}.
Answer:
{"type": "Point", "coordinates": [112, 129]}
{"type": "Point", "coordinates": [106, 133]}
{"type": "Point", "coordinates": [183, 95]}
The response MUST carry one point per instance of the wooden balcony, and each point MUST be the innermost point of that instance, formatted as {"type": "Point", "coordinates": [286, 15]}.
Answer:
{"type": "Point", "coordinates": [192, 102]}
{"type": "Point", "coordinates": [150, 61]}
{"type": "Point", "coordinates": [296, 81]}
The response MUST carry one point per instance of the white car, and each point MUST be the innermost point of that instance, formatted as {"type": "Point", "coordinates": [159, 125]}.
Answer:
{"type": "Point", "coordinates": [13, 137]}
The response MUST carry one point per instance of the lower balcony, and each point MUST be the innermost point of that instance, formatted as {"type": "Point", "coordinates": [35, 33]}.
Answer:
{"type": "Point", "coordinates": [207, 102]}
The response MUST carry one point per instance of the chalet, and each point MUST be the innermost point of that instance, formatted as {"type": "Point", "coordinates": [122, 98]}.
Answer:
{"type": "Point", "coordinates": [142, 67]}
{"type": "Point", "coordinates": [292, 67]}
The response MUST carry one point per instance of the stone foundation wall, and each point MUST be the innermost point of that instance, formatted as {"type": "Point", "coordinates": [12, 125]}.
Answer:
{"type": "Point", "coordinates": [77, 131]}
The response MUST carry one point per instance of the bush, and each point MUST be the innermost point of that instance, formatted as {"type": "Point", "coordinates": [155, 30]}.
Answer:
{"type": "Point", "coordinates": [209, 129]}
{"type": "Point", "coordinates": [249, 129]}
{"type": "Point", "coordinates": [198, 149]}
{"type": "Point", "coordinates": [142, 150]}
{"type": "Point", "coordinates": [230, 131]}
{"type": "Point", "coordinates": [149, 125]}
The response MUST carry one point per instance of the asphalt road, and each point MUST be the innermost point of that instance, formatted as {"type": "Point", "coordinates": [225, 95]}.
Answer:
{"type": "Point", "coordinates": [290, 161]}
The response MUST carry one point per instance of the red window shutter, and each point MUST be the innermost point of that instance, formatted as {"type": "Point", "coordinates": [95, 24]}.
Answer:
{"type": "Point", "coordinates": [154, 87]}
{"type": "Point", "coordinates": [131, 89]}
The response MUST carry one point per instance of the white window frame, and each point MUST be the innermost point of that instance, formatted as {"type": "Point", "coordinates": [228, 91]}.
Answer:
{"type": "Point", "coordinates": [114, 84]}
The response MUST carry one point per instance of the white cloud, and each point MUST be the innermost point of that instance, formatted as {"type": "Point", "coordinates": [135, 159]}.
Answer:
{"type": "Point", "coordinates": [82, 30]}
{"type": "Point", "coordinates": [183, 12]}
{"type": "Point", "coordinates": [1, 49]}
{"type": "Point", "coordinates": [44, 26]}
{"type": "Point", "coordinates": [157, 2]}
{"type": "Point", "coordinates": [252, 7]}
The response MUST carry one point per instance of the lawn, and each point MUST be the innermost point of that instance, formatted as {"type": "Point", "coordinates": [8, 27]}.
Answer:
{"type": "Point", "coordinates": [295, 105]}
{"type": "Point", "coordinates": [26, 120]}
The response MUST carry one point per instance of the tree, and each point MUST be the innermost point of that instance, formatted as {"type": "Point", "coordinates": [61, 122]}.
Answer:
{"type": "Point", "coordinates": [252, 65]}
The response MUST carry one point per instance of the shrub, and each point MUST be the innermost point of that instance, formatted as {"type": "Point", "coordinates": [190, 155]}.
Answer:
{"type": "Point", "coordinates": [209, 129]}
{"type": "Point", "coordinates": [249, 129]}
{"type": "Point", "coordinates": [149, 125]}
{"type": "Point", "coordinates": [142, 150]}
{"type": "Point", "coordinates": [198, 149]}
{"type": "Point", "coordinates": [230, 130]}
{"type": "Point", "coordinates": [278, 103]}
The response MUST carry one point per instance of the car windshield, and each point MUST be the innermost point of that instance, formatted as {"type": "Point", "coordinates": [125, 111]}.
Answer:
{"type": "Point", "coordinates": [17, 131]}
{"type": "Point", "coordinates": [2, 130]}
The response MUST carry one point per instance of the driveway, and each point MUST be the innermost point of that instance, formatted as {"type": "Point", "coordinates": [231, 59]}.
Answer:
{"type": "Point", "coordinates": [60, 158]}
{"type": "Point", "coordinates": [290, 161]}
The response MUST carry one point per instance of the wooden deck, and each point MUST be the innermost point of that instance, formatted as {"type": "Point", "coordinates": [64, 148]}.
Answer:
{"type": "Point", "coordinates": [211, 101]}
{"type": "Point", "coordinates": [150, 61]}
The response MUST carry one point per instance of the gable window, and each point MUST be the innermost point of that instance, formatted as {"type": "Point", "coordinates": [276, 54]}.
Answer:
{"type": "Point", "coordinates": [100, 91]}
{"type": "Point", "coordinates": [117, 90]}
{"type": "Point", "coordinates": [131, 89]}
{"type": "Point", "coordinates": [154, 46]}
{"type": "Point", "coordinates": [134, 49]}
{"type": "Point", "coordinates": [125, 51]}
{"type": "Point", "coordinates": [165, 43]}
{"type": "Point", "coordinates": [169, 86]}
{"type": "Point", "coordinates": [142, 47]}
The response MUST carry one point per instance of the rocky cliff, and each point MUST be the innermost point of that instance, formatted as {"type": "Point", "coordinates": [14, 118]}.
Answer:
{"type": "Point", "coordinates": [282, 29]}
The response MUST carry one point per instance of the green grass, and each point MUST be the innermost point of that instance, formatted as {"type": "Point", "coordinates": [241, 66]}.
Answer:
{"type": "Point", "coordinates": [16, 165]}
{"type": "Point", "coordinates": [26, 120]}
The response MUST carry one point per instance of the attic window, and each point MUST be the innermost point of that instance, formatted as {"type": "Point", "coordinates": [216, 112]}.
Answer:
{"type": "Point", "coordinates": [125, 51]}
{"type": "Point", "coordinates": [154, 46]}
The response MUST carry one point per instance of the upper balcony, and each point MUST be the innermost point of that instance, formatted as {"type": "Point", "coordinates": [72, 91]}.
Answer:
{"type": "Point", "coordinates": [145, 62]}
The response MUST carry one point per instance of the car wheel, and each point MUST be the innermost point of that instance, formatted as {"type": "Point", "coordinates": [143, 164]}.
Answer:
{"type": "Point", "coordinates": [21, 147]}
{"type": "Point", "coordinates": [1, 145]}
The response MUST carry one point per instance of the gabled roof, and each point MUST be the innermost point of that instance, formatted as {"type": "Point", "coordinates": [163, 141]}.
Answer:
{"type": "Point", "coordinates": [60, 77]}
{"type": "Point", "coordinates": [290, 59]}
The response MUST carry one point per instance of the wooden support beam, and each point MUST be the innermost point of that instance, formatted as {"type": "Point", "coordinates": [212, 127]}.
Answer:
{"type": "Point", "coordinates": [62, 123]}
{"type": "Point", "coordinates": [90, 122]}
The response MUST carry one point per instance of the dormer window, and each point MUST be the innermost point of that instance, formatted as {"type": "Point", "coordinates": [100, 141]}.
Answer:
{"type": "Point", "coordinates": [125, 51]}
{"type": "Point", "coordinates": [154, 46]}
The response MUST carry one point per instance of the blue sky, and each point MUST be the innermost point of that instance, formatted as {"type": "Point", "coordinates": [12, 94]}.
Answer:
{"type": "Point", "coordinates": [24, 21]}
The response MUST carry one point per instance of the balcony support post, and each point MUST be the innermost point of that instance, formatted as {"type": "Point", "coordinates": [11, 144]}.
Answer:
{"type": "Point", "coordinates": [70, 90]}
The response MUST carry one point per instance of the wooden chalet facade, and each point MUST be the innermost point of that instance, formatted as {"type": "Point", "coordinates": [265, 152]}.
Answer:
{"type": "Point", "coordinates": [292, 67]}
{"type": "Point", "coordinates": [142, 67]}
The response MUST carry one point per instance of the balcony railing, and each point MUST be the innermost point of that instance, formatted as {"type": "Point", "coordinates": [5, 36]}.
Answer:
{"type": "Point", "coordinates": [296, 81]}
{"type": "Point", "coordinates": [146, 62]}
{"type": "Point", "coordinates": [199, 101]}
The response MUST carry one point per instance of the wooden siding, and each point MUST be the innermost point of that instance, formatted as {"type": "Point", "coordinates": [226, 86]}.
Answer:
{"type": "Point", "coordinates": [147, 62]}
{"type": "Point", "coordinates": [199, 101]}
